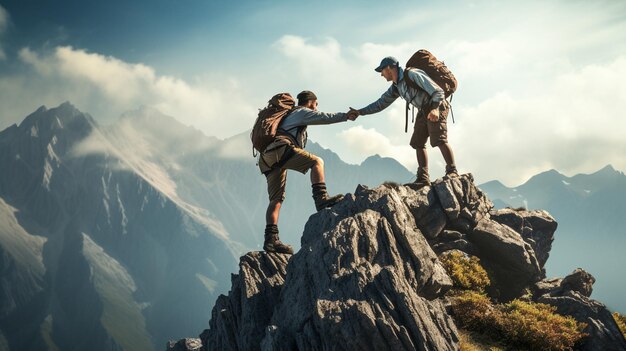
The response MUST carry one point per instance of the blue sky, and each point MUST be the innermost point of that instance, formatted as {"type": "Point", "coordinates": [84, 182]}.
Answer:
{"type": "Point", "coordinates": [540, 82]}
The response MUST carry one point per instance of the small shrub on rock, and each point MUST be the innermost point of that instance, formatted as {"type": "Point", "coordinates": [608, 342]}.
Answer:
{"type": "Point", "coordinates": [539, 326]}
{"type": "Point", "coordinates": [474, 311]}
{"type": "Point", "coordinates": [523, 324]}
{"type": "Point", "coordinates": [465, 271]}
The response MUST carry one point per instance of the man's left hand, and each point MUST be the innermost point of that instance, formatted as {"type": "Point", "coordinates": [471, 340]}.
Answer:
{"type": "Point", "coordinates": [433, 116]}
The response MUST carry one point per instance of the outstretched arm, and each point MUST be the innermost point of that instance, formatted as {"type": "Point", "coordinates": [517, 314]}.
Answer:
{"type": "Point", "coordinates": [305, 117]}
{"type": "Point", "coordinates": [382, 103]}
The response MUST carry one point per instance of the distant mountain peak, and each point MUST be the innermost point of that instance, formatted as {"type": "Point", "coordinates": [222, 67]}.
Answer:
{"type": "Point", "coordinates": [608, 169]}
{"type": "Point", "coordinates": [57, 117]}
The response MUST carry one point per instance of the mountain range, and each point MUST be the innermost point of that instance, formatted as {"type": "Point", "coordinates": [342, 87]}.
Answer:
{"type": "Point", "coordinates": [120, 237]}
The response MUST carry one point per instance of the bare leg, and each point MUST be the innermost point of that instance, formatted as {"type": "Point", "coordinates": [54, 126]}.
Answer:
{"type": "Point", "coordinates": [317, 172]}
{"type": "Point", "coordinates": [446, 152]}
{"type": "Point", "coordinates": [273, 210]}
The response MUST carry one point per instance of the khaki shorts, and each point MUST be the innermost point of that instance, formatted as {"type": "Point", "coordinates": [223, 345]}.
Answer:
{"type": "Point", "coordinates": [300, 161]}
{"type": "Point", "coordinates": [437, 131]}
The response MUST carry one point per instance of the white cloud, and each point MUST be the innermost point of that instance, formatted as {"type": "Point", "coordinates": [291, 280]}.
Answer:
{"type": "Point", "coordinates": [123, 86]}
{"type": "Point", "coordinates": [573, 124]}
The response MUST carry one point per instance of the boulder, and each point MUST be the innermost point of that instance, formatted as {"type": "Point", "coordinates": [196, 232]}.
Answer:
{"type": "Point", "coordinates": [536, 227]}
{"type": "Point", "coordinates": [507, 255]}
{"type": "Point", "coordinates": [579, 281]}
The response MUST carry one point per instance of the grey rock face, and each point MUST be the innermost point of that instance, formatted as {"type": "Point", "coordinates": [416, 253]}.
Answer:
{"type": "Point", "coordinates": [505, 252]}
{"type": "Point", "coordinates": [536, 227]}
{"type": "Point", "coordinates": [238, 321]}
{"type": "Point", "coordinates": [364, 279]}
{"type": "Point", "coordinates": [464, 204]}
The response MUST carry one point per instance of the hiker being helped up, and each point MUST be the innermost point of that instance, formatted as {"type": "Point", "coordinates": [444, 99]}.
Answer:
{"type": "Point", "coordinates": [420, 91]}
{"type": "Point", "coordinates": [286, 151]}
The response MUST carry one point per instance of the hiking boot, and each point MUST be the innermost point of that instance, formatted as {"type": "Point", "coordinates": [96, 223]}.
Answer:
{"type": "Point", "coordinates": [321, 198]}
{"type": "Point", "coordinates": [451, 171]}
{"type": "Point", "coordinates": [422, 180]}
{"type": "Point", "coordinates": [273, 244]}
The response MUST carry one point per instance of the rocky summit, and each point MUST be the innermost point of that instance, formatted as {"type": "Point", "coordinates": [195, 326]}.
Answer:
{"type": "Point", "coordinates": [368, 276]}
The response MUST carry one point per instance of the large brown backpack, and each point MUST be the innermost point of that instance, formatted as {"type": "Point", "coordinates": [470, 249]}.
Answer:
{"type": "Point", "coordinates": [436, 70]}
{"type": "Point", "coordinates": [266, 124]}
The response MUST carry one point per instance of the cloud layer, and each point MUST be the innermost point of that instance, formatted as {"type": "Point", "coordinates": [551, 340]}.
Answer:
{"type": "Point", "coordinates": [83, 77]}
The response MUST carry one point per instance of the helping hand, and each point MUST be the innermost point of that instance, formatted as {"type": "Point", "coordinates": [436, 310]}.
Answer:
{"type": "Point", "coordinates": [353, 114]}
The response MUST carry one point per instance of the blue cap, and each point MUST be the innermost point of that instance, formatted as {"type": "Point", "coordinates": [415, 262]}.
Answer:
{"type": "Point", "coordinates": [387, 61]}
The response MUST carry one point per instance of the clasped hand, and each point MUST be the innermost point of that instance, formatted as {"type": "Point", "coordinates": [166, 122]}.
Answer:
{"type": "Point", "coordinates": [353, 114]}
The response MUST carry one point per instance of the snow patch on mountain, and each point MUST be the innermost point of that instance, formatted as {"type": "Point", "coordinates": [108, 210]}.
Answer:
{"type": "Point", "coordinates": [24, 247]}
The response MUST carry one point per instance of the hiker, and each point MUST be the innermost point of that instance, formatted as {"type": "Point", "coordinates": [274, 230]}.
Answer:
{"type": "Point", "coordinates": [429, 99]}
{"type": "Point", "coordinates": [287, 152]}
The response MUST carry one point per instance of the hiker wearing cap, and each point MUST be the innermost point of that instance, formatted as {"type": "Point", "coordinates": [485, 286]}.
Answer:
{"type": "Point", "coordinates": [287, 152]}
{"type": "Point", "coordinates": [418, 89]}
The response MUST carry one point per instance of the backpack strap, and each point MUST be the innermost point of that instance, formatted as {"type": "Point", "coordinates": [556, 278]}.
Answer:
{"type": "Point", "coordinates": [413, 85]}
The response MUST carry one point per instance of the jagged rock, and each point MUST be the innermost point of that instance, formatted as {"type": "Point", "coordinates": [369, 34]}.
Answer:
{"type": "Point", "coordinates": [238, 320]}
{"type": "Point", "coordinates": [512, 260]}
{"type": "Point", "coordinates": [604, 334]}
{"type": "Point", "coordinates": [364, 279]}
{"type": "Point", "coordinates": [579, 281]}
{"type": "Point", "coordinates": [429, 215]}
{"type": "Point", "coordinates": [463, 203]}
{"type": "Point", "coordinates": [537, 228]}
{"type": "Point", "coordinates": [188, 344]}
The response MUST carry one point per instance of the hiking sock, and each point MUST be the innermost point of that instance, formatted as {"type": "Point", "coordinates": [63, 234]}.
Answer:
{"type": "Point", "coordinates": [321, 198]}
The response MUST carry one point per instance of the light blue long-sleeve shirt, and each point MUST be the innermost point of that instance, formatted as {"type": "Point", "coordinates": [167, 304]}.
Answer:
{"type": "Point", "coordinates": [429, 92]}
{"type": "Point", "coordinates": [296, 122]}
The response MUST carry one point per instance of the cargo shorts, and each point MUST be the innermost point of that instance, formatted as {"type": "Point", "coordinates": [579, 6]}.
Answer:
{"type": "Point", "coordinates": [299, 160]}
{"type": "Point", "coordinates": [437, 131]}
